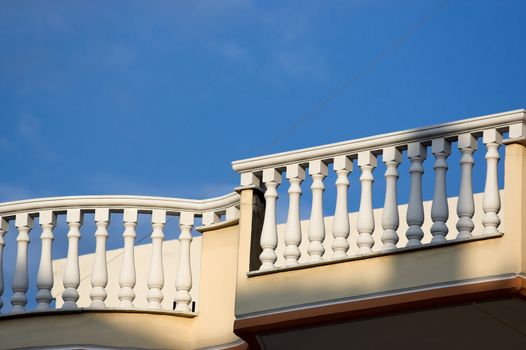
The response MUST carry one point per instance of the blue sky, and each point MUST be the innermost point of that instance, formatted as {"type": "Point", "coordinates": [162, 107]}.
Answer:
{"type": "Point", "coordinates": [157, 98]}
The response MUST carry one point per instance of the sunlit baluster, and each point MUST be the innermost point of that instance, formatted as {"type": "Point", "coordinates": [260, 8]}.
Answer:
{"type": "Point", "coordinates": [340, 225]}
{"type": "Point", "coordinates": [156, 273]}
{"type": "Point", "coordinates": [441, 148]}
{"type": "Point", "coordinates": [183, 279]}
{"type": "Point", "coordinates": [417, 153]}
{"type": "Point", "coordinates": [467, 144]}
{"type": "Point", "coordinates": [231, 213]}
{"type": "Point", "coordinates": [269, 232]}
{"type": "Point", "coordinates": [390, 219]}
{"type": "Point", "coordinates": [71, 279]}
{"type": "Point", "coordinates": [210, 218]}
{"type": "Point", "coordinates": [127, 276]}
{"type": "Point", "coordinates": [295, 174]}
{"type": "Point", "coordinates": [367, 162]}
{"type": "Point", "coordinates": [47, 220]}
{"type": "Point", "coordinates": [317, 170]}
{"type": "Point", "coordinates": [99, 274]}
{"type": "Point", "coordinates": [24, 224]}
{"type": "Point", "coordinates": [491, 201]}
{"type": "Point", "coordinates": [4, 226]}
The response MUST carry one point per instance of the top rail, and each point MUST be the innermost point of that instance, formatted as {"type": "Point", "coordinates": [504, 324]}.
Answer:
{"type": "Point", "coordinates": [475, 125]}
{"type": "Point", "coordinates": [58, 204]}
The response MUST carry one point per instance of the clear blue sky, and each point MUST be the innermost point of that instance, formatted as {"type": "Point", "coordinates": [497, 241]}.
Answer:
{"type": "Point", "coordinates": [156, 98]}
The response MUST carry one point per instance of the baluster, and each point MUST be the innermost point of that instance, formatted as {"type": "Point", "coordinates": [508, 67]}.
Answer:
{"type": "Point", "coordinates": [417, 153]}
{"type": "Point", "coordinates": [317, 170]}
{"type": "Point", "coordinates": [295, 174]}
{"type": "Point", "coordinates": [269, 232]}
{"type": "Point", "coordinates": [47, 220]}
{"type": "Point", "coordinates": [390, 219]}
{"type": "Point", "coordinates": [340, 225]}
{"type": "Point", "coordinates": [4, 227]}
{"type": "Point", "coordinates": [183, 279]}
{"type": "Point", "coordinates": [231, 213]}
{"type": "Point", "coordinates": [210, 218]}
{"type": "Point", "coordinates": [367, 162]}
{"type": "Point", "coordinates": [127, 277]}
{"type": "Point", "coordinates": [441, 148]}
{"type": "Point", "coordinates": [99, 274]}
{"type": "Point", "coordinates": [467, 144]}
{"type": "Point", "coordinates": [491, 200]}
{"type": "Point", "coordinates": [156, 273]}
{"type": "Point", "coordinates": [71, 279]}
{"type": "Point", "coordinates": [24, 224]}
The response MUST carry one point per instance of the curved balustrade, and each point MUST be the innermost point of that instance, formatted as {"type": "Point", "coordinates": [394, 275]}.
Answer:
{"type": "Point", "coordinates": [25, 212]}
{"type": "Point", "coordinates": [414, 144]}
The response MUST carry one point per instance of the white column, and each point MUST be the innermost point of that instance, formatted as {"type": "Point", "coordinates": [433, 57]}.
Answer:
{"type": "Point", "coordinates": [340, 225]}
{"type": "Point", "coordinates": [4, 227]}
{"type": "Point", "coordinates": [295, 175]}
{"type": "Point", "coordinates": [367, 162]}
{"type": "Point", "coordinates": [491, 201]}
{"type": "Point", "coordinates": [24, 224]}
{"type": "Point", "coordinates": [47, 220]}
{"type": "Point", "coordinates": [467, 144]}
{"type": "Point", "coordinates": [390, 219]}
{"type": "Point", "coordinates": [317, 170]}
{"type": "Point", "coordinates": [441, 148]}
{"type": "Point", "coordinates": [99, 274]}
{"type": "Point", "coordinates": [269, 232]}
{"type": "Point", "coordinates": [417, 153]}
{"type": "Point", "coordinates": [156, 273]}
{"type": "Point", "coordinates": [71, 279]}
{"type": "Point", "coordinates": [183, 279]}
{"type": "Point", "coordinates": [127, 277]}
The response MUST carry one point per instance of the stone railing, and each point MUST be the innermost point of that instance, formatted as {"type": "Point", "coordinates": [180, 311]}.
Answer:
{"type": "Point", "coordinates": [24, 213]}
{"type": "Point", "coordinates": [266, 172]}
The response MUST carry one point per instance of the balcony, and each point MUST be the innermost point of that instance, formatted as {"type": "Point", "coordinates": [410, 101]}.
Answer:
{"type": "Point", "coordinates": [321, 241]}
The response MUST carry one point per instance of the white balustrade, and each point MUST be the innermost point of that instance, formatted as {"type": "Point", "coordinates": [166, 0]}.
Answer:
{"type": "Point", "coordinates": [340, 225]}
{"type": "Point", "coordinates": [467, 144]}
{"type": "Point", "coordinates": [441, 148]}
{"type": "Point", "coordinates": [491, 201]}
{"type": "Point", "coordinates": [390, 219]}
{"type": "Point", "coordinates": [24, 224]}
{"type": "Point", "coordinates": [416, 153]}
{"type": "Point", "coordinates": [47, 220]}
{"type": "Point", "coordinates": [183, 279]}
{"type": "Point", "coordinates": [71, 277]}
{"type": "Point", "coordinates": [295, 175]}
{"type": "Point", "coordinates": [269, 232]}
{"type": "Point", "coordinates": [99, 274]}
{"type": "Point", "coordinates": [317, 170]}
{"type": "Point", "coordinates": [127, 277]}
{"type": "Point", "coordinates": [4, 227]}
{"type": "Point", "coordinates": [156, 274]}
{"type": "Point", "coordinates": [367, 162]}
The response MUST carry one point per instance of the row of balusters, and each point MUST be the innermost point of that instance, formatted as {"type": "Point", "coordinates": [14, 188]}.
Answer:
{"type": "Point", "coordinates": [367, 161]}
{"type": "Point", "coordinates": [99, 275]}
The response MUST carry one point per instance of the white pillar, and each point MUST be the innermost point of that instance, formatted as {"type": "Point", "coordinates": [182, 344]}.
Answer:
{"type": "Point", "coordinates": [295, 174]}
{"type": "Point", "coordinates": [24, 224]}
{"type": "Point", "coordinates": [183, 279]}
{"type": "Point", "coordinates": [48, 221]}
{"type": "Point", "coordinates": [269, 232]}
{"type": "Point", "coordinates": [467, 144]}
{"type": "Point", "coordinates": [71, 279]}
{"type": "Point", "coordinates": [491, 201]}
{"type": "Point", "coordinates": [390, 219]}
{"type": "Point", "coordinates": [340, 225]}
{"type": "Point", "coordinates": [317, 170]}
{"type": "Point", "coordinates": [4, 227]}
{"type": "Point", "coordinates": [417, 153]}
{"type": "Point", "coordinates": [441, 148]}
{"type": "Point", "coordinates": [367, 162]}
{"type": "Point", "coordinates": [127, 277]}
{"type": "Point", "coordinates": [156, 273]}
{"type": "Point", "coordinates": [99, 274]}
